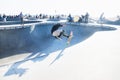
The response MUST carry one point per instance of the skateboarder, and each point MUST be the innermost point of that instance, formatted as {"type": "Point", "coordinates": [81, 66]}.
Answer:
{"type": "Point", "coordinates": [57, 31]}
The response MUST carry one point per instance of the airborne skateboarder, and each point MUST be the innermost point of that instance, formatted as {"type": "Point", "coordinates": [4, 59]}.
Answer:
{"type": "Point", "coordinates": [57, 31]}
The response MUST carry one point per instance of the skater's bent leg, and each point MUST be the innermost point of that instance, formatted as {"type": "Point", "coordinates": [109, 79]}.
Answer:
{"type": "Point", "coordinates": [65, 34]}
{"type": "Point", "coordinates": [58, 37]}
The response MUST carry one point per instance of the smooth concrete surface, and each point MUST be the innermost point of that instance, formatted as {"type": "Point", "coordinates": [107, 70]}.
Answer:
{"type": "Point", "coordinates": [90, 56]}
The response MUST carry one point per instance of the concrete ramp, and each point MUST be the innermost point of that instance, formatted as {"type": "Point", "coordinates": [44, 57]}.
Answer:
{"type": "Point", "coordinates": [35, 41]}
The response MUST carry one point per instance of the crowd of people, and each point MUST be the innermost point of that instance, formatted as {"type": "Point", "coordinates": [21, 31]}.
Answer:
{"type": "Point", "coordinates": [82, 18]}
{"type": "Point", "coordinates": [21, 17]}
{"type": "Point", "coordinates": [9, 17]}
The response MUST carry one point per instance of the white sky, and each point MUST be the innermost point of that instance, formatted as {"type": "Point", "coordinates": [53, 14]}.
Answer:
{"type": "Point", "coordinates": [93, 7]}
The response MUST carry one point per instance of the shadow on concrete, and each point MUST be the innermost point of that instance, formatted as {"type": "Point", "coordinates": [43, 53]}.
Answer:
{"type": "Point", "coordinates": [39, 42]}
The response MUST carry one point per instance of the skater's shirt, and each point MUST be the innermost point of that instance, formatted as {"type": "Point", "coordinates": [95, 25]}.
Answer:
{"type": "Point", "coordinates": [57, 32]}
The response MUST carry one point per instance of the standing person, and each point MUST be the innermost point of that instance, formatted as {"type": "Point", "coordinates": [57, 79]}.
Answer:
{"type": "Point", "coordinates": [86, 18]}
{"type": "Point", "coordinates": [101, 19]}
{"type": "Point", "coordinates": [21, 18]}
{"type": "Point", "coordinates": [4, 18]}
{"type": "Point", "coordinates": [70, 19]}
{"type": "Point", "coordinates": [57, 31]}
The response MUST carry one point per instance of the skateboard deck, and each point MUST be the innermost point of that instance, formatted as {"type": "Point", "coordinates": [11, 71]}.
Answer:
{"type": "Point", "coordinates": [70, 37]}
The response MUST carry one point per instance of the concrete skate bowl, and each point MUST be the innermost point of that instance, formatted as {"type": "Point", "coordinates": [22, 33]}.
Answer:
{"type": "Point", "coordinates": [117, 22]}
{"type": "Point", "coordinates": [36, 40]}
{"type": "Point", "coordinates": [112, 22]}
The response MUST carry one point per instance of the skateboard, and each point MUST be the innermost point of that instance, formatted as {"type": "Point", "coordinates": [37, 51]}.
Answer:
{"type": "Point", "coordinates": [70, 37]}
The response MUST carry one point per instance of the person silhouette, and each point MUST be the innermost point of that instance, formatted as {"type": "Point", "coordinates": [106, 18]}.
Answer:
{"type": "Point", "coordinates": [57, 31]}
{"type": "Point", "coordinates": [21, 18]}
